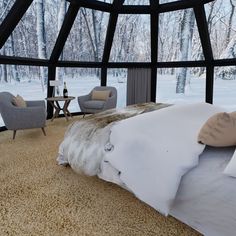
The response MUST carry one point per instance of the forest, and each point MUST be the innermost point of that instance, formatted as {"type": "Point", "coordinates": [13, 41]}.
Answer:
{"type": "Point", "coordinates": [35, 36]}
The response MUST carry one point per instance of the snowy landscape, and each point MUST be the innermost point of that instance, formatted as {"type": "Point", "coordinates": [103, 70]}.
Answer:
{"type": "Point", "coordinates": [224, 93]}
{"type": "Point", "coordinates": [178, 40]}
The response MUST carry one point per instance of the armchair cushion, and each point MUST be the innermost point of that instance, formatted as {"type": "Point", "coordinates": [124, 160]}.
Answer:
{"type": "Point", "coordinates": [100, 95]}
{"type": "Point", "coordinates": [19, 101]}
{"type": "Point", "coordinates": [94, 104]}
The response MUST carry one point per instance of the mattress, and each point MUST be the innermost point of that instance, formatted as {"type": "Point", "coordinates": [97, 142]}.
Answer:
{"type": "Point", "coordinates": [206, 198]}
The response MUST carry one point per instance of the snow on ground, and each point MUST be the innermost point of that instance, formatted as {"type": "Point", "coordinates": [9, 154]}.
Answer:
{"type": "Point", "coordinates": [224, 92]}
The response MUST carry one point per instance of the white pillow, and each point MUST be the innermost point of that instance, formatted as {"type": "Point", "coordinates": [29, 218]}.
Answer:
{"type": "Point", "coordinates": [231, 167]}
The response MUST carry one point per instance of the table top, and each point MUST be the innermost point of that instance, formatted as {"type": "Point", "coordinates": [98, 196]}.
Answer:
{"type": "Point", "coordinates": [59, 98]}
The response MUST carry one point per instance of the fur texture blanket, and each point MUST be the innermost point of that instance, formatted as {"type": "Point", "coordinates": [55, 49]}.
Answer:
{"type": "Point", "coordinates": [85, 141]}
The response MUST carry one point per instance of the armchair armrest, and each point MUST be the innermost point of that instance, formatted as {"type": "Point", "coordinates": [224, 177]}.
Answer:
{"type": "Point", "coordinates": [26, 118]}
{"type": "Point", "coordinates": [82, 99]}
{"type": "Point", "coordinates": [110, 103]}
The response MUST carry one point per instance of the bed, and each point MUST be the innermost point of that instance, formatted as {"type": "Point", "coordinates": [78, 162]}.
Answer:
{"type": "Point", "coordinates": [152, 151]}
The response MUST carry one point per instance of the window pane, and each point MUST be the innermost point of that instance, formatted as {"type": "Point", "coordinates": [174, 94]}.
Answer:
{"type": "Point", "coordinates": [79, 81]}
{"type": "Point", "coordinates": [36, 41]}
{"type": "Point", "coordinates": [166, 1]}
{"type": "Point", "coordinates": [5, 7]}
{"type": "Point", "coordinates": [118, 79]}
{"type": "Point", "coordinates": [225, 87]}
{"type": "Point", "coordinates": [194, 86]}
{"type": "Point", "coordinates": [136, 2]}
{"type": "Point", "coordinates": [23, 80]}
{"type": "Point", "coordinates": [222, 24]}
{"type": "Point", "coordinates": [107, 1]}
{"type": "Point", "coordinates": [132, 39]}
{"type": "Point", "coordinates": [87, 37]}
{"type": "Point", "coordinates": [179, 37]}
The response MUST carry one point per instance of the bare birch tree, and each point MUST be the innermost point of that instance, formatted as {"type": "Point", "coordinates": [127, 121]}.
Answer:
{"type": "Point", "coordinates": [229, 72]}
{"type": "Point", "coordinates": [60, 19]}
{"type": "Point", "coordinates": [186, 34]}
{"type": "Point", "coordinates": [41, 39]}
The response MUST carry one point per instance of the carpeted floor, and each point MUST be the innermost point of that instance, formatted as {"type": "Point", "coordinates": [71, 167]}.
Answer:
{"type": "Point", "coordinates": [38, 197]}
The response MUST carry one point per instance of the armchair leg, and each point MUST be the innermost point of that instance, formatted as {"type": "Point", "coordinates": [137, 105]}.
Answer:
{"type": "Point", "coordinates": [43, 131]}
{"type": "Point", "coordinates": [14, 134]}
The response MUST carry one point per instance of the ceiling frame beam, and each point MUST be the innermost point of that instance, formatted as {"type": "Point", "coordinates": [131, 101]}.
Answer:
{"type": "Point", "coordinates": [12, 60]}
{"type": "Point", "coordinates": [64, 32]}
{"type": "Point", "coordinates": [154, 4]}
{"type": "Point", "coordinates": [12, 19]}
{"type": "Point", "coordinates": [95, 5]}
{"type": "Point", "coordinates": [143, 9]}
{"type": "Point", "coordinates": [117, 4]}
{"type": "Point", "coordinates": [204, 34]}
{"type": "Point", "coordinates": [181, 5]}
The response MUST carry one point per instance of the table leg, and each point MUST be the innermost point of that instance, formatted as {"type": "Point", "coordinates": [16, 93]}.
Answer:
{"type": "Point", "coordinates": [56, 113]}
{"type": "Point", "coordinates": [57, 108]}
{"type": "Point", "coordinates": [53, 107]}
{"type": "Point", "coordinates": [66, 104]}
{"type": "Point", "coordinates": [67, 111]}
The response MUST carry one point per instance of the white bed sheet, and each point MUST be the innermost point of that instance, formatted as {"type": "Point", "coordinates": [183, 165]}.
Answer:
{"type": "Point", "coordinates": [206, 199]}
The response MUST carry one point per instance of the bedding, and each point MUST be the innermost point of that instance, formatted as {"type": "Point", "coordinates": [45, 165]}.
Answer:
{"type": "Point", "coordinates": [84, 141]}
{"type": "Point", "coordinates": [158, 148]}
{"type": "Point", "coordinates": [230, 169]}
{"type": "Point", "coordinates": [148, 154]}
{"type": "Point", "coordinates": [206, 198]}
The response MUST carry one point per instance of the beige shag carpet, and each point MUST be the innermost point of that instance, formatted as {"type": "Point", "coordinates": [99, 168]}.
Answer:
{"type": "Point", "coordinates": [38, 197]}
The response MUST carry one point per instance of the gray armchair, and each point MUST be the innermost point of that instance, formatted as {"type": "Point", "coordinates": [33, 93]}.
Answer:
{"type": "Point", "coordinates": [18, 118]}
{"type": "Point", "coordinates": [87, 105]}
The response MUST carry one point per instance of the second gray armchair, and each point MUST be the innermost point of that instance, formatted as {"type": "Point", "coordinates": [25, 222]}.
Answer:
{"type": "Point", "coordinates": [89, 105]}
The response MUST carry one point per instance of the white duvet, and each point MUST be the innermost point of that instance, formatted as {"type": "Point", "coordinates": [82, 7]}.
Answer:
{"type": "Point", "coordinates": [153, 151]}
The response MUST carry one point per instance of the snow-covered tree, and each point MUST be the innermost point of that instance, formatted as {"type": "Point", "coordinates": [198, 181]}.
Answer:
{"type": "Point", "coordinates": [41, 39]}
{"type": "Point", "coordinates": [186, 35]}
{"type": "Point", "coordinates": [35, 37]}
{"type": "Point", "coordinates": [60, 19]}
{"type": "Point", "coordinates": [229, 72]}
